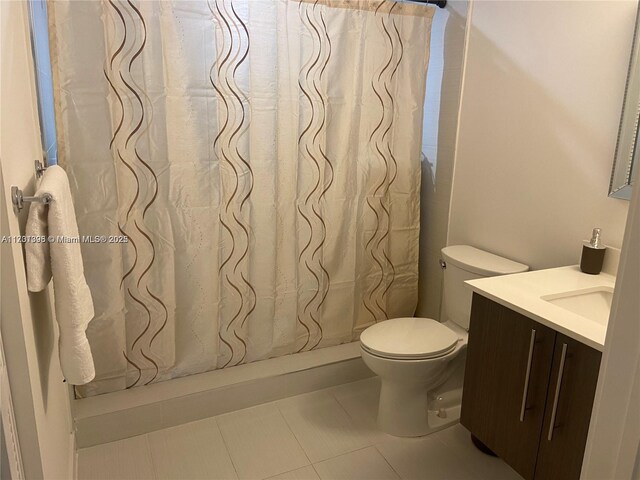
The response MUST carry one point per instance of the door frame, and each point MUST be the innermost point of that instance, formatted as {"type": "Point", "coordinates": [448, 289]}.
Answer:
{"type": "Point", "coordinates": [613, 446]}
{"type": "Point", "coordinates": [40, 399]}
{"type": "Point", "coordinates": [10, 437]}
{"type": "Point", "coordinates": [15, 363]}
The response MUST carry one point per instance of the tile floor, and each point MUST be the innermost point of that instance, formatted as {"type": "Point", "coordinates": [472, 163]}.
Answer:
{"type": "Point", "coordinates": [330, 434]}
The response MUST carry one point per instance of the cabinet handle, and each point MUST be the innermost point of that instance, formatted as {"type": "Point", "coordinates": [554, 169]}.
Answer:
{"type": "Point", "coordinates": [556, 397]}
{"type": "Point", "coordinates": [525, 391]}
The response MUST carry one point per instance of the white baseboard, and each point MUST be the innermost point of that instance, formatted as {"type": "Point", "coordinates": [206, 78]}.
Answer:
{"type": "Point", "coordinates": [114, 416]}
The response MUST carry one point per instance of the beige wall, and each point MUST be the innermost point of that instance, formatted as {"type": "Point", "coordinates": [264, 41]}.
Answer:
{"type": "Point", "coordinates": [438, 147]}
{"type": "Point", "coordinates": [40, 398]}
{"type": "Point", "coordinates": [542, 95]}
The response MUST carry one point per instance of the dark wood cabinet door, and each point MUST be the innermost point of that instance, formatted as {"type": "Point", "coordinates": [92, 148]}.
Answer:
{"type": "Point", "coordinates": [505, 382]}
{"type": "Point", "coordinates": [572, 388]}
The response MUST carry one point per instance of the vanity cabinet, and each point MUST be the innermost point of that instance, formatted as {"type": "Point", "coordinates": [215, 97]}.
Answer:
{"type": "Point", "coordinates": [572, 387]}
{"type": "Point", "coordinates": [528, 391]}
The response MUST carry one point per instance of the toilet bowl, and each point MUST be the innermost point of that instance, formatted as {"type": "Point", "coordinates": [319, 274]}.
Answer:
{"type": "Point", "coordinates": [408, 374]}
{"type": "Point", "coordinates": [414, 356]}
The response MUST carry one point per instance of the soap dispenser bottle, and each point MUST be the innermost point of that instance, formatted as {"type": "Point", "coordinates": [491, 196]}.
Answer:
{"type": "Point", "coordinates": [593, 254]}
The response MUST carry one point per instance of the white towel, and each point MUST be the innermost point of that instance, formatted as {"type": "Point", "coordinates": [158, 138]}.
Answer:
{"type": "Point", "coordinates": [73, 302]}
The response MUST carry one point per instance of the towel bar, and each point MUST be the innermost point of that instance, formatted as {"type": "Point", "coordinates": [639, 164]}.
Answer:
{"type": "Point", "coordinates": [18, 199]}
{"type": "Point", "coordinates": [40, 168]}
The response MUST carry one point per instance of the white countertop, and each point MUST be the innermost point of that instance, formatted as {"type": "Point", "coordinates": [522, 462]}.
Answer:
{"type": "Point", "coordinates": [522, 293]}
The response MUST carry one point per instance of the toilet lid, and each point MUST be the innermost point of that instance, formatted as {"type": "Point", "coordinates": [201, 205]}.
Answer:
{"type": "Point", "coordinates": [409, 338]}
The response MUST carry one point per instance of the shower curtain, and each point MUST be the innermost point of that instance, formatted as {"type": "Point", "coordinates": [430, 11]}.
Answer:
{"type": "Point", "coordinates": [249, 170]}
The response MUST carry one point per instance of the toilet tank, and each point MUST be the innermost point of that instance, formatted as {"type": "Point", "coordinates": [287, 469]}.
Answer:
{"type": "Point", "coordinates": [462, 263]}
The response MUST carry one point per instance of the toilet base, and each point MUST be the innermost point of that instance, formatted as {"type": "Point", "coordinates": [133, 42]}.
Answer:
{"type": "Point", "coordinates": [404, 411]}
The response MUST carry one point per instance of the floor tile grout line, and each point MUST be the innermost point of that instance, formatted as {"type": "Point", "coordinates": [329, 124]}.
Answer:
{"type": "Point", "coordinates": [335, 397]}
{"type": "Point", "coordinates": [358, 424]}
{"type": "Point", "coordinates": [226, 447]}
{"type": "Point", "coordinates": [349, 416]}
{"type": "Point", "coordinates": [316, 470]}
{"type": "Point", "coordinates": [340, 403]}
{"type": "Point", "coordinates": [388, 462]}
{"type": "Point", "coordinates": [343, 454]}
{"type": "Point", "coordinates": [286, 422]}
{"type": "Point", "coordinates": [289, 471]}
{"type": "Point", "coordinates": [154, 471]}
{"type": "Point", "coordinates": [354, 424]}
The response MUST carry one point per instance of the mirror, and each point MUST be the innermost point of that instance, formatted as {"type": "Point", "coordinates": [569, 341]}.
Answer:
{"type": "Point", "coordinates": [626, 157]}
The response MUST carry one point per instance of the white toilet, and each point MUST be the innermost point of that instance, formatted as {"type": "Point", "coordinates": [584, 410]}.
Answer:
{"type": "Point", "coordinates": [414, 356]}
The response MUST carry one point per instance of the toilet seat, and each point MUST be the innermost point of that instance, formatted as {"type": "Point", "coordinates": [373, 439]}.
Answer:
{"type": "Point", "coordinates": [409, 338]}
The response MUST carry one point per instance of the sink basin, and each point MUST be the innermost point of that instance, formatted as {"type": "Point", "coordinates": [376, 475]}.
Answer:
{"type": "Point", "coordinates": [592, 303]}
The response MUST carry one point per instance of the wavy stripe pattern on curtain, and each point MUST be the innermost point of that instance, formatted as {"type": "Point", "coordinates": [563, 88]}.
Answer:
{"type": "Point", "coordinates": [261, 157]}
